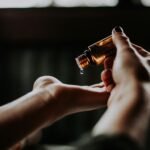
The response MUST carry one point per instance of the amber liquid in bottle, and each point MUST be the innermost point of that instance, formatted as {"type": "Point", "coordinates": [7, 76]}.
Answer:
{"type": "Point", "coordinates": [96, 53]}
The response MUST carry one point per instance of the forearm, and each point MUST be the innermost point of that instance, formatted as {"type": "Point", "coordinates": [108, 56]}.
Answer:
{"type": "Point", "coordinates": [25, 115]}
{"type": "Point", "coordinates": [113, 122]}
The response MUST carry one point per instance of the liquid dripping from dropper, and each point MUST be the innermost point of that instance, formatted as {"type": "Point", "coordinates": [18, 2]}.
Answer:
{"type": "Point", "coordinates": [81, 71]}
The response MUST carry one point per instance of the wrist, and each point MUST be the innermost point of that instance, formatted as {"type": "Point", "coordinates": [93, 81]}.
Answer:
{"type": "Point", "coordinates": [52, 105]}
{"type": "Point", "coordinates": [126, 116]}
{"type": "Point", "coordinates": [56, 97]}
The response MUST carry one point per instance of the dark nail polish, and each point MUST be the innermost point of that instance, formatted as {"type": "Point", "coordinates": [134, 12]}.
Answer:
{"type": "Point", "coordinates": [118, 29]}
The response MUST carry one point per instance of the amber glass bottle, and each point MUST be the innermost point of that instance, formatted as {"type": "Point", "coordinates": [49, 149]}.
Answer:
{"type": "Point", "coordinates": [96, 53]}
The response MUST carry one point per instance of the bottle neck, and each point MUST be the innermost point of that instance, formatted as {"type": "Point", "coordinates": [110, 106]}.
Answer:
{"type": "Point", "coordinates": [88, 54]}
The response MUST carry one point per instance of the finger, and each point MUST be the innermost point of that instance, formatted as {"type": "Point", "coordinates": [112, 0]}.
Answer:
{"type": "Point", "coordinates": [140, 51]}
{"type": "Point", "coordinates": [98, 85]}
{"type": "Point", "coordinates": [120, 40]}
{"type": "Point", "coordinates": [145, 55]}
{"type": "Point", "coordinates": [106, 77]}
{"type": "Point", "coordinates": [125, 64]}
{"type": "Point", "coordinates": [45, 80]}
{"type": "Point", "coordinates": [123, 46]}
{"type": "Point", "coordinates": [108, 80]}
{"type": "Point", "coordinates": [110, 87]}
{"type": "Point", "coordinates": [108, 62]}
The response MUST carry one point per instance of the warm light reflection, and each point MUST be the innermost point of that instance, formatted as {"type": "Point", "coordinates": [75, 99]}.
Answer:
{"type": "Point", "coordinates": [68, 3]}
{"type": "Point", "coordinates": [145, 2]}
{"type": "Point", "coordinates": [56, 3]}
{"type": "Point", "coordinates": [89, 3]}
{"type": "Point", "coordinates": [24, 3]}
{"type": "Point", "coordinates": [95, 3]}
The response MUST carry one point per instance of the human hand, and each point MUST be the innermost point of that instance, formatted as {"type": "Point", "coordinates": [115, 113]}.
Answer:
{"type": "Point", "coordinates": [57, 100]}
{"type": "Point", "coordinates": [70, 99]}
{"type": "Point", "coordinates": [131, 66]}
{"type": "Point", "coordinates": [127, 78]}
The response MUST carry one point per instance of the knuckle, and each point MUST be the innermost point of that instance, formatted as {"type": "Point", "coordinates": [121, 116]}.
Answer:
{"type": "Point", "coordinates": [41, 81]}
{"type": "Point", "coordinates": [125, 38]}
{"type": "Point", "coordinates": [122, 37]}
{"type": "Point", "coordinates": [58, 91]}
{"type": "Point", "coordinates": [123, 42]}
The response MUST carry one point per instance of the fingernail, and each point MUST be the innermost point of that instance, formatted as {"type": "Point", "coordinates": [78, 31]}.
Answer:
{"type": "Point", "coordinates": [118, 29]}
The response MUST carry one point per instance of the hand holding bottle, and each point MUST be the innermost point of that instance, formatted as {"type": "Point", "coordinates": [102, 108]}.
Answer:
{"type": "Point", "coordinates": [127, 78]}
{"type": "Point", "coordinates": [130, 66]}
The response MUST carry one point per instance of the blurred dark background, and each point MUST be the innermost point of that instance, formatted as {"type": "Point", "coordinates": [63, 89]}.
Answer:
{"type": "Point", "coordinates": [39, 41]}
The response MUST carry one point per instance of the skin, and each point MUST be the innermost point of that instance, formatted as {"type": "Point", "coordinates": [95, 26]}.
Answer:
{"type": "Point", "coordinates": [127, 78]}
{"type": "Point", "coordinates": [49, 101]}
